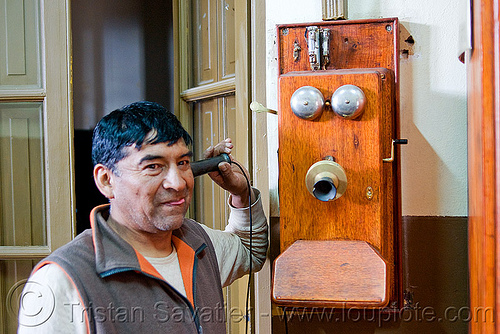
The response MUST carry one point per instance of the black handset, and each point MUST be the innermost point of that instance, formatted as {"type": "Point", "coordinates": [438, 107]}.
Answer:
{"type": "Point", "coordinates": [208, 165]}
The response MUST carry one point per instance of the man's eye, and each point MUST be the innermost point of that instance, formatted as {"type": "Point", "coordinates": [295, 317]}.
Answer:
{"type": "Point", "coordinates": [184, 163]}
{"type": "Point", "coordinates": [153, 167]}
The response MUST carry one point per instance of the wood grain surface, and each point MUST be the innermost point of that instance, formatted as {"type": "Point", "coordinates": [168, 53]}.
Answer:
{"type": "Point", "coordinates": [359, 146]}
{"type": "Point", "coordinates": [362, 53]}
{"type": "Point", "coordinates": [337, 274]}
{"type": "Point", "coordinates": [483, 167]}
{"type": "Point", "coordinates": [353, 44]}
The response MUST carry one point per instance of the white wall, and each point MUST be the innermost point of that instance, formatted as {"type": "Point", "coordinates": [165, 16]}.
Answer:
{"type": "Point", "coordinates": [433, 97]}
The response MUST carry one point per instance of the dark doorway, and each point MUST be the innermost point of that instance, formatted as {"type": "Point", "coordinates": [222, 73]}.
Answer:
{"type": "Point", "coordinates": [122, 52]}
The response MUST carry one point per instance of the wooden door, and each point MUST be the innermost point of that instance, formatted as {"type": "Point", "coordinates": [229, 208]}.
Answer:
{"type": "Point", "coordinates": [36, 192]}
{"type": "Point", "coordinates": [484, 168]}
{"type": "Point", "coordinates": [213, 86]}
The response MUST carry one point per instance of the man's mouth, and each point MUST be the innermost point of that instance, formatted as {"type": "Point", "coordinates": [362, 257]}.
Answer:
{"type": "Point", "coordinates": [176, 202]}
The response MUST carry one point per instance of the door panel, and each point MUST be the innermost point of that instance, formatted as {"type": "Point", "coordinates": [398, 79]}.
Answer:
{"type": "Point", "coordinates": [228, 38]}
{"type": "Point", "coordinates": [14, 274]}
{"type": "Point", "coordinates": [214, 120]}
{"type": "Point", "coordinates": [209, 212]}
{"type": "Point", "coordinates": [20, 34]}
{"type": "Point", "coordinates": [205, 41]}
{"type": "Point", "coordinates": [21, 175]}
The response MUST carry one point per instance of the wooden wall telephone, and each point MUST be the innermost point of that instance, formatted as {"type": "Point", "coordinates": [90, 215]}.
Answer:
{"type": "Point", "coordinates": [338, 165]}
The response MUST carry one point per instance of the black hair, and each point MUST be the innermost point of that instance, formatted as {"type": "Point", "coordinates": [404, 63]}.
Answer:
{"type": "Point", "coordinates": [136, 124]}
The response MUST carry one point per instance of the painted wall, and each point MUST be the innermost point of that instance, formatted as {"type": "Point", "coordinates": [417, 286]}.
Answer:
{"type": "Point", "coordinates": [433, 97]}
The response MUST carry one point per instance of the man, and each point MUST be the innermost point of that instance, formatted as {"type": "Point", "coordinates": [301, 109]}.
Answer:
{"type": "Point", "coordinates": [143, 267]}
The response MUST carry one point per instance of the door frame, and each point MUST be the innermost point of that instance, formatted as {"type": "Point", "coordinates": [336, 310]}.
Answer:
{"type": "Point", "coordinates": [483, 67]}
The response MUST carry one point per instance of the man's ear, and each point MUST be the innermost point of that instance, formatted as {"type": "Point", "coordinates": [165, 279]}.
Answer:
{"type": "Point", "coordinates": [103, 178]}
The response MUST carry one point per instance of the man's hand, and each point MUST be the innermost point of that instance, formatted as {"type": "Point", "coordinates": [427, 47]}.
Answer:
{"type": "Point", "coordinates": [229, 176]}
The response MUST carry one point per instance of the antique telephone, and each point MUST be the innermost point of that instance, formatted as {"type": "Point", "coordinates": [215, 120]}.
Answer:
{"type": "Point", "coordinates": [338, 165]}
{"type": "Point", "coordinates": [201, 167]}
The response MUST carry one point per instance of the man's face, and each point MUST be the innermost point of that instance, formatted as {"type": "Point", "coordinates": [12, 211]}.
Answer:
{"type": "Point", "coordinates": [152, 187]}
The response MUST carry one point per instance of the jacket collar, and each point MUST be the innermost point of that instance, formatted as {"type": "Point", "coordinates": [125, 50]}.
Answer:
{"type": "Point", "coordinates": [112, 253]}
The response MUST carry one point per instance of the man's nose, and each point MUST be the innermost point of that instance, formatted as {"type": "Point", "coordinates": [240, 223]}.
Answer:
{"type": "Point", "coordinates": [174, 179]}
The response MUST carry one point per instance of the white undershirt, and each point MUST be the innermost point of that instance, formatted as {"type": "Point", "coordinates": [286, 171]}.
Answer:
{"type": "Point", "coordinates": [169, 269]}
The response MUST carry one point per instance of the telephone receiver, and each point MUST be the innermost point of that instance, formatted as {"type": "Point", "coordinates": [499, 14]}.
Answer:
{"type": "Point", "coordinates": [208, 165]}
